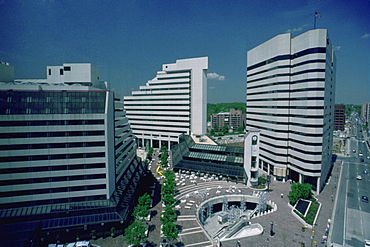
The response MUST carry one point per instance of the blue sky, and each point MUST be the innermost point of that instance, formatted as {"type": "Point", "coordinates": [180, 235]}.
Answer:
{"type": "Point", "coordinates": [130, 40]}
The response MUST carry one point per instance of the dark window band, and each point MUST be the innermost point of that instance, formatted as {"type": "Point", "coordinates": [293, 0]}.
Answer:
{"type": "Point", "coordinates": [289, 91]}
{"type": "Point", "coordinates": [289, 66]}
{"type": "Point", "coordinates": [286, 57]}
{"type": "Point", "coordinates": [287, 99]}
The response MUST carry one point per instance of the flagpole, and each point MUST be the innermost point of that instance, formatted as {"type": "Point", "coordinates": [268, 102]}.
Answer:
{"type": "Point", "coordinates": [317, 16]}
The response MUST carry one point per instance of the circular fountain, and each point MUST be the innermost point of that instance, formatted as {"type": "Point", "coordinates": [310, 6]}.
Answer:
{"type": "Point", "coordinates": [225, 218]}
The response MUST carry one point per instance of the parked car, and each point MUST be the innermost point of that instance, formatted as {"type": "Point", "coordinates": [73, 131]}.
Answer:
{"type": "Point", "coordinates": [366, 172]}
{"type": "Point", "coordinates": [81, 244]}
{"type": "Point", "coordinates": [323, 239]}
{"type": "Point", "coordinates": [365, 199]}
{"type": "Point", "coordinates": [359, 177]}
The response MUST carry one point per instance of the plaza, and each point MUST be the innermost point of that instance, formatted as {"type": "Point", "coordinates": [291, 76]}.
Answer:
{"type": "Point", "coordinates": [288, 230]}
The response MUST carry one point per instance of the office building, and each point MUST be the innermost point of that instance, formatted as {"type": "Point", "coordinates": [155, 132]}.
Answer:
{"type": "Point", "coordinates": [290, 98]}
{"type": "Point", "coordinates": [339, 117]}
{"type": "Point", "coordinates": [174, 102]}
{"type": "Point", "coordinates": [233, 119]}
{"type": "Point", "coordinates": [67, 154]}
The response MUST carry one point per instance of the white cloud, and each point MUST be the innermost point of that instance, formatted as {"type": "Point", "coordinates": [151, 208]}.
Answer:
{"type": "Point", "coordinates": [298, 29]}
{"type": "Point", "coordinates": [215, 76]}
{"type": "Point", "coordinates": [365, 36]}
{"type": "Point", "coordinates": [337, 48]}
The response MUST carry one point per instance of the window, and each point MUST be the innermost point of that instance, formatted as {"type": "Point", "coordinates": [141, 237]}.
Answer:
{"type": "Point", "coordinates": [61, 72]}
{"type": "Point", "coordinates": [49, 71]}
{"type": "Point", "coordinates": [67, 68]}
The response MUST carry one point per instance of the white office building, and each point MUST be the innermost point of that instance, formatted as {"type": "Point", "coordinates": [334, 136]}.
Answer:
{"type": "Point", "coordinates": [290, 98]}
{"type": "Point", "coordinates": [66, 146]}
{"type": "Point", "coordinates": [174, 102]}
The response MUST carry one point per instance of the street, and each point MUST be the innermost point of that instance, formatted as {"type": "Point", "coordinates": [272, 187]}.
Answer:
{"type": "Point", "coordinates": [351, 221]}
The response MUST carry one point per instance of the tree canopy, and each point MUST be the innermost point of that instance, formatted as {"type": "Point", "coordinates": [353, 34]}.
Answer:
{"type": "Point", "coordinates": [349, 108]}
{"type": "Point", "coordinates": [135, 233]}
{"type": "Point", "coordinates": [170, 231]}
{"type": "Point", "coordinates": [299, 191]}
{"type": "Point", "coordinates": [168, 197]}
{"type": "Point", "coordinates": [142, 208]}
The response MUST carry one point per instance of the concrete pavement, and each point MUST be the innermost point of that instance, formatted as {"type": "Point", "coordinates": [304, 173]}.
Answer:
{"type": "Point", "coordinates": [287, 228]}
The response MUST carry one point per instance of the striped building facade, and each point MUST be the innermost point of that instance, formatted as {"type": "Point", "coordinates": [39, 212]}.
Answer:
{"type": "Point", "coordinates": [290, 98]}
{"type": "Point", "coordinates": [66, 150]}
{"type": "Point", "coordinates": [171, 104]}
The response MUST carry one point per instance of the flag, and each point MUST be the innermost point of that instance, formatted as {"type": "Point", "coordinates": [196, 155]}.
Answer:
{"type": "Point", "coordinates": [317, 15]}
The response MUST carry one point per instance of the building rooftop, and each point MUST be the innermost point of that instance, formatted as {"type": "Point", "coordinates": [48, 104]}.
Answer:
{"type": "Point", "coordinates": [203, 140]}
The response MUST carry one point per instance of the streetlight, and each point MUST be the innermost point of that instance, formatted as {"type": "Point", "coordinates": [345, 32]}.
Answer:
{"type": "Point", "coordinates": [268, 180]}
{"type": "Point", "coordinates": [272, 229]}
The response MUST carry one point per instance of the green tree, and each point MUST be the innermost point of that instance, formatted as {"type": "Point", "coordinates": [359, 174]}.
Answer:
{"type": "Point", "coordinates": [169, 215]}
{"type": "Point", "coordinates": [225, 129]}
{"type": "Point", "coordinates": [142, 209]}
{"type": "Point", "coordinates": [145, 200]}
{"type": "Point", "coordinates": [150, 153]}
{"type": "Point", "coordinates": [262, 180]}
{"type": "Point", "coordinates": [168, 199]}
{"type": "Point", "coordinates": [240, 129]}
{"type": "Point", "coordinates": [164, 158]}
{"type": "Point", "coordinates": [299, 191]}
{"type": "Point", "coordinates": [164, 149]}
{"type": "Point", "coordinates": [168, 188]}
{"type": "Point", "coordinates": [135, 233]}
{"type": "Point", "coordinates": [170, 231]}
{"type": "Point", "coordinates": [348, 109]}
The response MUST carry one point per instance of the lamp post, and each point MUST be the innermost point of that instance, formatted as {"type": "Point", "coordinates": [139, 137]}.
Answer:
{"type": "Point", "coordinates": [268, 180]}
{"type": "Point", "coordinates": [272, 229]}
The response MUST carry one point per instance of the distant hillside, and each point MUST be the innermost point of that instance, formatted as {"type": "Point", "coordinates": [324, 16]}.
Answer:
{"type": "Point", "coordinates": [224, 107]}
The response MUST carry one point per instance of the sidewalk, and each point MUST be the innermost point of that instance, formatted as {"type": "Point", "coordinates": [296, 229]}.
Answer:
{"type": "Point", "coordinates": [287, 228]}
{"type": "Point", "coordinates": [154, 237]}
{"type": "Point", "coordinates": [327, 199]}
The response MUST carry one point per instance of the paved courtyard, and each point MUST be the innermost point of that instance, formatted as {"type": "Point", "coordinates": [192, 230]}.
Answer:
{"type": "Point", "coordinates": [192, 191]}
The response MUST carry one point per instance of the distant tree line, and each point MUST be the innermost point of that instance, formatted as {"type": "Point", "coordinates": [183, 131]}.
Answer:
{"type": "Point", "coordinates": [224, 107]}
{"type": "Point", "coordinates": [349, 108]}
